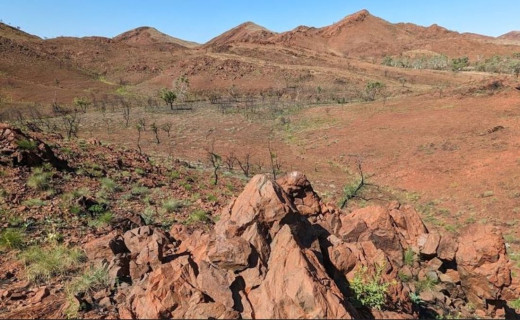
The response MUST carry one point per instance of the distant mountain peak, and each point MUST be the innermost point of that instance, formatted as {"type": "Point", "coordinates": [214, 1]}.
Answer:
{"type": "Point", "coordinates": [146, 35]}
{"type": "Point", "coordinates": [244, 32]}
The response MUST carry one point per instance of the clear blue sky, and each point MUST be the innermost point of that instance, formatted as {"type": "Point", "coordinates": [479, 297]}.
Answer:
{"type": "Point", "coordinates": [201, 20]}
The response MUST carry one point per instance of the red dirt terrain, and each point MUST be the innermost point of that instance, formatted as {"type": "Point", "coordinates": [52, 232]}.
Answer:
{"type": "Point", "coordinates": [422, 159]}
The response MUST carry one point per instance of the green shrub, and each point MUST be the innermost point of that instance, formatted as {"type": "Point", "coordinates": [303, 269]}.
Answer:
{"type": "Point", "coordinates": [26, 144]}
{"type": "Point", "coordinates": [109, 185]}
{"type": "Point", "coordinates": [174, 175]}
{"type": "Point", "coordinates": [174, 205]}
{"type": "Point", "coordinates": [139, 191]}
{"type": "Point", "coordinates": [515, 304]}
{"type": "Point", "coordinates": [45, 263]}
{"type": "Point", "coordinates": [369, 291]}
{"type": "Point", "coordinates": [96, 209]}
{"type": "Point", "coordinates": [103, 220]}
{"type": "Point", "coordinates": [409, 257]}
{"type": "Point", "coordinates": [198, 216]}
{"type": "Point", "coordinates": [404, 277]}
{"type": "Point", "coordinates": [40, 179]}
{"type": "Point", "coordinates": [91, 280]}
{"type": "Point", "coordinates": [34, 202]}
{"type": "Point", "coordinates": [11, 238]}
{"type": "Point", "coordinates": [458, 64]}
{"type": "Point", "coordinates": [426, 284]}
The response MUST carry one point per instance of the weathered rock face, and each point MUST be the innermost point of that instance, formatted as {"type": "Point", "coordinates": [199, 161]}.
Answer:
{"type": "Point", "coordinates": [279, 252]}
{"type": "Point", "coordinates": [20, 149]}
{"type": "Point", "coordinates": [483, 264]}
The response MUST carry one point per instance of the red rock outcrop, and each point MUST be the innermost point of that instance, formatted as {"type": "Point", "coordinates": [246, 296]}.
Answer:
{"type": "Point", "coordinates": [279, 252]}
{"type": "Point", "coordinates": [20, 149]}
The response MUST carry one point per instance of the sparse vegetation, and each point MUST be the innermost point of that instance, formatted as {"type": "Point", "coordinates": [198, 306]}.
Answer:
{"type": "Point", "coordinates": [26, 144]}
{"type": "Point", "coordinates": [109, 185]}
{"type": "Point", "coordinates": [42, 263]}
{"type": "Point", "coordinates": [370, 290]}
{"type": "Point", "coordinates": [90, 281]}
{"type": "Point", "coordinates": [198, 216]}
{"type": "Point", "coordinates": [11, 238]}
{"type": "Point", "coordinates": [409, 257]}
{"type": "Point", "coordinates": [40, 179]}
{"type": "Point", "coordinates": [168, 96]}
{"type": "Point", "coordinates": [173, 205]}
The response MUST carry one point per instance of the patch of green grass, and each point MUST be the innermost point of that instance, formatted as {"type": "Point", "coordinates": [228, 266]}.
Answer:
{"type": "Point", "coordinates": [451, 228]}
{"type": "Point", "coordinates": [41, 264]}
{"type": "Point", "coordinates": [40, 179]}
{"type": "Point", "coordinates": [26, 144]}
{"type": "Point", "coordinates": [102, 220]}
{"type": "Point", "coordinates": [96, 209]}
{"type": "Point", "coordinates": [426, 284]}
{"type": "Point", "coordinates": [140, 191]}
{"type": "Point", "coordinates": [34, 202]}
{"type": "Point", "coordinates": [212, 198]}
{"type": "Point", "coordinates": [140, 171]}
{"type": "Point", "coordinates": [409, 257]}
{"type": "Point", "coordinates": [75, 209]}
{"type": "Point", "coordinates": [174, 175]}
{"type": "Point", "coordinates": [109, 185]}
{"type": "Point", "coordinates": [92, 280]}
{"type": "Point", "coordinates": [12, 238]}
{"type": "Point", "coordinates": [511, 239]}
{"type": "Point", "coordinates": [187, 186]}
{"type": "Point", "coordinates": [149, 215]}
{"type": "Point", "coordinates": [515, 304]}
{"type": "Point", "coordinates": [198, 216]}
{"type": "Point", "coordinates": [174, 205]}
{"type": "Point", "coordinates": [404, 277]}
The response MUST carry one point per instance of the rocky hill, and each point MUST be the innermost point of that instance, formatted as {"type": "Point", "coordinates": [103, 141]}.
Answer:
{"type": "Point", "coordinates": [144, 60]}
{"type": "Point", "coordinates": [275, 251]}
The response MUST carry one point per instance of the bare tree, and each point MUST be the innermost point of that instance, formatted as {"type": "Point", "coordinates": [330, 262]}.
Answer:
{"type": "Point", "coordinates": [230, 160]}
{"type": "Point", "coordinates": [71, 122]}
{"type": "Point", "coordinates": [142, 123]}
{"type": "Point", "coordinates": [139, 128]}
{"type": "Point", "coordinates": [274, 160]}
{"type": "Point", "coordinates": [352, 191]}
{"type": "Point", "coordinates": [245, 164]}
{"type": "Point", "coordinates": [126, 112]}
{"type": "Point", "coordinates": [215, 160]}
{"type": "Point", "coordinates": [155, 130]}
{"type": "Point", "coordinates": [167, 127]}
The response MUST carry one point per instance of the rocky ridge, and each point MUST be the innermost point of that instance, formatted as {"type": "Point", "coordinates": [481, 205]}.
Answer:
{"type": "Point", "coordinates": [279, 252]}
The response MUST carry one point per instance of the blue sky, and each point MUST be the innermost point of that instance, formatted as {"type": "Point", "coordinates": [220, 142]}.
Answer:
{"type": "Point", "coordinates": [201, 20]}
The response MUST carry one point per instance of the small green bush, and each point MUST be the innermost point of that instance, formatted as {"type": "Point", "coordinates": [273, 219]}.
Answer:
{"type": "Point", "coordinates": [198, 216]}
{"type": "Point", "coordinates": [26, 144]}
{"type": "Point", "coordinates": [103, 220]}
{"type": "Point", "coordinates": [212, 198]}
{"type": "Point", "coordinates": [93, 279]}
{"type": "Point", "coordinates": [34, 202]}
{"type": "Point", "coordinates": [409, 257]}
{"type": "Point", "coordinates": [109, 185]}
{"type": "Point", "coordinates": [174, 205]}
{"type": "Point", "coordinates": [515, 304]}
{"type": "Point", "coordinates": [139, 191]}
{"type": "Point", "coordinates": [369, 291]}
{"type": "Point", "coordinates": [40, 179]}
{"type": "Point", "coordinates": [11, 238]}
{"type": "Point", "coordinates": [45, 263]}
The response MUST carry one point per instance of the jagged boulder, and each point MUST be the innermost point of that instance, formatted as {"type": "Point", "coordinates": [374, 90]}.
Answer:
{"type": "Point", "coordinates": [482, 264]}
{"type": "Point", "coordinates": [279, 252]}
